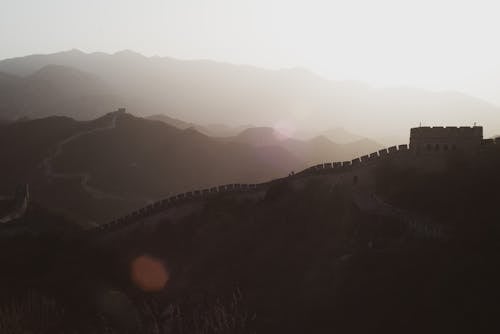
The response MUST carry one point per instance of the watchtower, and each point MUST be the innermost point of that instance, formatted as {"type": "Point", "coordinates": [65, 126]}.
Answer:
{"type": "Point", "coordinates": [439, 140]}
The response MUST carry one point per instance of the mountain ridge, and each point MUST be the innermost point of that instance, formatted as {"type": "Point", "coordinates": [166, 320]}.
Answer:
{"type": "Point", "coordinates": [205, 92]}
{"type": "Point", "coordinates": [134, 161]}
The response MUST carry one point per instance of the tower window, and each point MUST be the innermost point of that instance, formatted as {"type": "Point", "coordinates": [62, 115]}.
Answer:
{"type": "Point", "coordinates": [436, 148]}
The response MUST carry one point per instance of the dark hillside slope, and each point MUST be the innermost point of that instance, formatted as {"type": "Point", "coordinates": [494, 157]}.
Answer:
{"type": "Point", "coordinates": [103, 168]}
{"type": "Point", "coordinates": [303, 259]}
{"type": "Point", "coordinates": [25, 144]}
{"type": "Point", "coordinates": [308, 260]}
{"type": "Point", "coordinates": [139, 155]}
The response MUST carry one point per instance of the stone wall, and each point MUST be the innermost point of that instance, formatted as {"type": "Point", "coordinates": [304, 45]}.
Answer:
{"type": "Point", "coordinates": [357, 172]}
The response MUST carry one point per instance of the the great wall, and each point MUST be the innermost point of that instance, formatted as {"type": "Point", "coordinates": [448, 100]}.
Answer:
{"type": "Point", "coordinates": [430, 148]}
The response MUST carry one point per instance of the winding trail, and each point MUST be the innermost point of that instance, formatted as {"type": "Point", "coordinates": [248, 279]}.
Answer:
{"type": "Point", "coordinates": [48, 164]}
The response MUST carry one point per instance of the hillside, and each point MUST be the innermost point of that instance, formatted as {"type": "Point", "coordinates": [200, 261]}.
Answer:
{"type": "Point", "coordinates": [296, 260]}
{"type": "Point", "coordinates": [98, 169]}
{"type": "Point", "coordinates": [180, 124]}
{"type": "Point", "coordinates": [206, 92]}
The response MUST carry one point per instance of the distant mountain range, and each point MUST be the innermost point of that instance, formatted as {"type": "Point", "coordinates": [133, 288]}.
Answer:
{"type": "Point", "coordinates": [312, 151]}
{"type": "Point", "coordinates": [316, 150]}
{"type": "Point", "coordinates": [341, 135]}
{"type": "Point", "coordinates": [213, 130]}
{"type": "Point", "coordinates": [55, 90]}
{"type": "Point", "coordinates": [85, 85]}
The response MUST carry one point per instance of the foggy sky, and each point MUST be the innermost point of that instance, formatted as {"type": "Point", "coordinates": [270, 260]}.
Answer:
{"type": "Point", "coordinates": [433, 44]}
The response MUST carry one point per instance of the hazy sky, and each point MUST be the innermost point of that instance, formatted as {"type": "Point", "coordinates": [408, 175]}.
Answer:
{"type": "Point", "coordinates": [436, 44]}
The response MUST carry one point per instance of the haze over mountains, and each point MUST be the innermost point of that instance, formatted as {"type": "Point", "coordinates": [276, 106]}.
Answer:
{"type": "Point", "coordinates": [213, 130]}
{"type": "Point", "coordinates": [205, 92]}
{"type": "Point", "coordinates": [313, 151]}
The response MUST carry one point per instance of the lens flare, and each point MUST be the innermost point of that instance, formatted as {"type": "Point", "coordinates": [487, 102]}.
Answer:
{"type": "Point", "coordinates": [148, 273]}
{"type": "Point", "coordinates": [284, 130]}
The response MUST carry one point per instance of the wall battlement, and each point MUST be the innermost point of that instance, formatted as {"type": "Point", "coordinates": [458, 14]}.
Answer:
{"type": "Point", "coordinates": [174, 201]}
{"type": "Point", "coordinates": [447, 131]}
{"type": "Point", "coordinates": [464, 139]}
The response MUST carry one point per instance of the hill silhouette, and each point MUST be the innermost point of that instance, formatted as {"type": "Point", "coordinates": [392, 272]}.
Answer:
{"type": "Point", "coordinates": [341, 135]}
{"type": "Point", "coordinates": [97, 169]}
{"type": "Point", "coordinates": [312, 151]}
{"type": "Point", "coordinates": [212, 130]}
